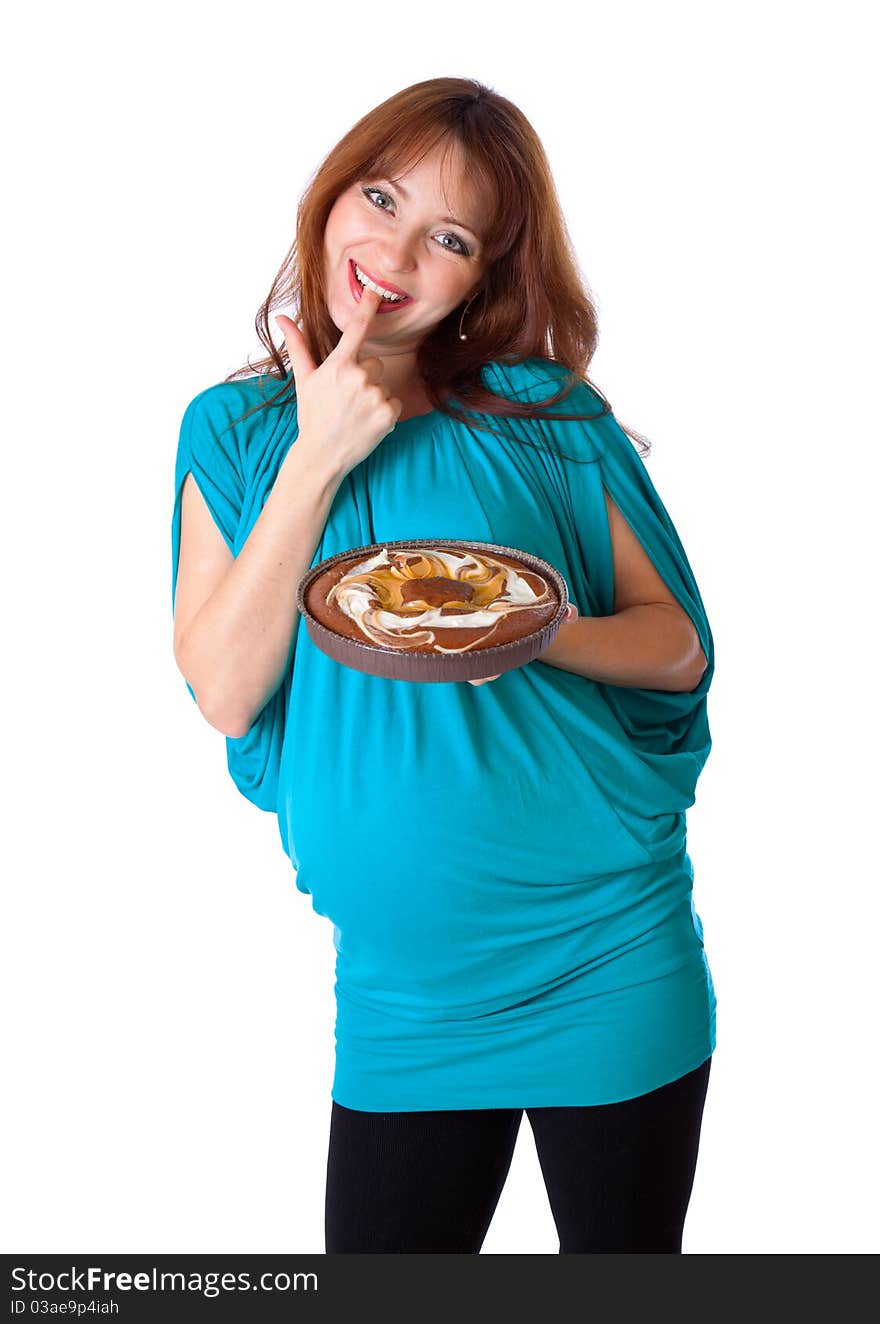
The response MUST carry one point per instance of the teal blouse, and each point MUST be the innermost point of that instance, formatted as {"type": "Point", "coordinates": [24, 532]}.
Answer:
{"type": "Point", "coordinates": [504, 865]}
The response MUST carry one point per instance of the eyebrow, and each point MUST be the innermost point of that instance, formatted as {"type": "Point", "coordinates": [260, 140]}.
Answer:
{"type": "Point", "coordinates": [449, 219]}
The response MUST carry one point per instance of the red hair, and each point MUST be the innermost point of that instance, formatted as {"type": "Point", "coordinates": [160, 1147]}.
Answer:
{"type": "Point", "coordinates": [532, 301]}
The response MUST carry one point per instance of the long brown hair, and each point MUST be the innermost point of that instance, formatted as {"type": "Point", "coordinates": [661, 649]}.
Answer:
{"type": "Point", "coordinates": [533, 299]}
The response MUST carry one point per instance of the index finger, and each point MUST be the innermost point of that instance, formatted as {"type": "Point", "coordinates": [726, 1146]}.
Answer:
{"type": "Point", "coordinates": [349, 343]}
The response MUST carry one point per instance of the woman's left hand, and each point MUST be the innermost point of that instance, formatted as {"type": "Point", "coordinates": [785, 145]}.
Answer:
{"type": "Point", "coordinates": [571, 612]}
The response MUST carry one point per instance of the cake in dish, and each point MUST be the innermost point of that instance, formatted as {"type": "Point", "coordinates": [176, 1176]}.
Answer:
{"type": "Point", "coordinates": [433, 599]}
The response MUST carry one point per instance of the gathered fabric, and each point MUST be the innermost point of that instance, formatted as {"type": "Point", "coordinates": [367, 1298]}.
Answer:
{"type": "Point", "coordinates": [505, 865]}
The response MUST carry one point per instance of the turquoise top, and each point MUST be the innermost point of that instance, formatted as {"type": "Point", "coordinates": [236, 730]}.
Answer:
{"type": "Point", "coordinates": [504, 865]}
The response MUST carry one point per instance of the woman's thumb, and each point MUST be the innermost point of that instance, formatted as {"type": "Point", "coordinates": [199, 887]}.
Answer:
{"type": "Point", "coordinates": [300, 360]}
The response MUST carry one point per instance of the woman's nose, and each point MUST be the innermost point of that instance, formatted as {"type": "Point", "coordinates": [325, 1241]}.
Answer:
{"type": "Point", "coordinates": [396, 259]}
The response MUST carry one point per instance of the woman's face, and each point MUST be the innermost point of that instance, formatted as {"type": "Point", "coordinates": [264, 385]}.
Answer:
{"type": "Point", "coordinates": [399, 234]}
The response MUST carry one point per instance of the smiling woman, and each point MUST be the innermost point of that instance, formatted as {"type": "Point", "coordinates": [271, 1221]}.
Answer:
{"type": "Point", "coordinates": [402, 248]}
{"type": "Point", "coordinates": [443, 192]}
{"type": "Point", "coordinates": [504, 867]}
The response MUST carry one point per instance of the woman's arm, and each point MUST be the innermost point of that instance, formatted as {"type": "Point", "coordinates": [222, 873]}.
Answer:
{"type": "Point", "coordinates": [649, 646]}
{"type": "Point", "coordinates": [234, 643]}
{"type": "Point", "coordinates": [649, 643]}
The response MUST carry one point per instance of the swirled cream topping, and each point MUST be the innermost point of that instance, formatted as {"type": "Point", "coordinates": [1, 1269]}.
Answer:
{"type": "Point", "coordinates": [403, 598]}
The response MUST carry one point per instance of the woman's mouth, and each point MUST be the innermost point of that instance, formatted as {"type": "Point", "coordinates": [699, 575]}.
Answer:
{"type": "Point", "coordinates": [386, 306]}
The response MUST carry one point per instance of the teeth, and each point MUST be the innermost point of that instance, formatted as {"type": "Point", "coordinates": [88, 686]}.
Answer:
{"type": "Point", "coordinates": [371, 285]}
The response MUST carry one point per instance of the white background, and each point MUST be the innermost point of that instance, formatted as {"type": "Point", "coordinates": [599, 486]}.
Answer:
{"type": "Point", "coordinates": [167, 992]}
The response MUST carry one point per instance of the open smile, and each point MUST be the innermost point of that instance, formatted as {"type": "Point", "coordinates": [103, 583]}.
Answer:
{"type": "Point", "coordinates": [386, 306]}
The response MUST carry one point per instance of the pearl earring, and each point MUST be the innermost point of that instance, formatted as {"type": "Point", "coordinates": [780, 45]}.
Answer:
{"type": "Point", "coordinates": [461, 334]}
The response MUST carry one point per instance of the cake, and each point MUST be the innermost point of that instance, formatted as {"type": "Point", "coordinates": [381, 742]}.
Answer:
{"type": "Point", "coordinates": [446, 599]}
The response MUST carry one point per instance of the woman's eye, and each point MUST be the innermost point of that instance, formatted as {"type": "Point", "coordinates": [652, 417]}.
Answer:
{"type": "Point", "coordinates": [368, 191]}
{"type": "Point", "coordinates": [462, 249]}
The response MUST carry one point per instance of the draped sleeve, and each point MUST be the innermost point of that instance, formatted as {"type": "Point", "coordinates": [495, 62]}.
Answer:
{"type": "Point", "coordinates": [668, 730]}
{"type": "Point", "coordinates": [228, 467]}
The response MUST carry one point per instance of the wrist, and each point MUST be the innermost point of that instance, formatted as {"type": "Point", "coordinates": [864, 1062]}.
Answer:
{"type": "Point", "coordinates": [561, 638]}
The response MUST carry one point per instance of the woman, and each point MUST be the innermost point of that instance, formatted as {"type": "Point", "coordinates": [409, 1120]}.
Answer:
{"type": "Point", "coordinates": [505, 872]}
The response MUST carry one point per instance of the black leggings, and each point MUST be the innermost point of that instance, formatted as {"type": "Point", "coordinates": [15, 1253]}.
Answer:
{"type": "Point", "coordinates": [618, 1175]}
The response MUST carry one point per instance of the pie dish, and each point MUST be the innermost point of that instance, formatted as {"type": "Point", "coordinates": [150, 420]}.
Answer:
{"type": "Point", "coordinates": [432, 609]}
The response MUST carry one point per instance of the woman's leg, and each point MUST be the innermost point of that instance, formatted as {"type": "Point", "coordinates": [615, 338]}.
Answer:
{"type": "Point", "coordinates": [415, 1182]}
{"type": "Point", "coordinates": [619, 1175]}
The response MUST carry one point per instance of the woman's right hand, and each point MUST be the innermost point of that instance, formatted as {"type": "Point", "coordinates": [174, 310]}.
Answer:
{"type": "Point", "coordinates": [342, 408]}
